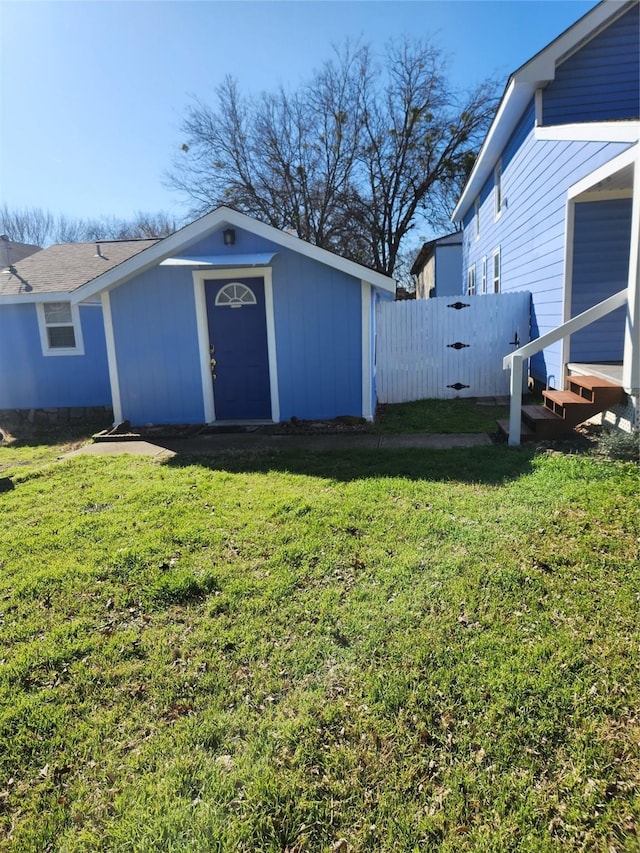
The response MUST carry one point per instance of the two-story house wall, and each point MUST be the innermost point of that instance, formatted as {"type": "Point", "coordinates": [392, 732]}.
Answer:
{"type": "Point", "coordinates": [552, 205]}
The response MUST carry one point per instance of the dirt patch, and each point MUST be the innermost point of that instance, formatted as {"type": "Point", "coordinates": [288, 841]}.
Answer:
{"type": "Point", "coordinates": [295, 426]}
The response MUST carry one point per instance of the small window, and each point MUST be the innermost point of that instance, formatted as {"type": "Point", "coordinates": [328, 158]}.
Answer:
{"type": "Point", "coordinates": [235, 295]}
{"type": "Point", "coordinates": [476, 218]}
{"type": "Point", "coordinates": [471, 280]}
{"type": "Point", "coordinates": [497, 180]}
{"type": "Point", "coordinates": [496, 271]}
{"type": "Point", "coordinates": [60, 332]}
{"type": "Point", "coordinates": [484, 274]}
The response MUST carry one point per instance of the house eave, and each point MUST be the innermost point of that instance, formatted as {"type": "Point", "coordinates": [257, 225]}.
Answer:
{"type": "Point", "coordinates": [521, 88]}
{"type": "Point", "coordinates": [181, 240]}
{"type": "Point", "coordinates": [514, 102]}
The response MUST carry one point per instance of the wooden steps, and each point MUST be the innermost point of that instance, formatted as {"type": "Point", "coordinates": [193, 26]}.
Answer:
{"type": "Point", "coordinates": [563, 410]}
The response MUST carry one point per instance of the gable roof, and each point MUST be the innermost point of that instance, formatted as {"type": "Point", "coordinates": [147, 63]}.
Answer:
{"type": "Point", "coordinates": [429, 248]}
{"type": "Point", "coordinates": [66, 266]}
{"type": "Point", "coordinates": [521, 87]}
{"type": "Point", "coordinates": [221, 217]}
{"type": "Point", "coordinates": [12, 252]}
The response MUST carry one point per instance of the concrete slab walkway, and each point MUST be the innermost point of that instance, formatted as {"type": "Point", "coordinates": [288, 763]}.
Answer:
{"type": "Point", "coordinates": [206, 445]}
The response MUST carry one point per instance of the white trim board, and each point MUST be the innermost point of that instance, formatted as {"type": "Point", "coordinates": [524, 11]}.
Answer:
{"type": "Point", "coordinates": [591, 131]}
{"type": "Point", "coordinates": [112, 361]}
{"type": "Point", "coordinates": [367, 377]}
{"type": "Point", "coordinates": [606, 170]}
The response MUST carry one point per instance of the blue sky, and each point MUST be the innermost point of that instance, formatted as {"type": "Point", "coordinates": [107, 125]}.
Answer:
{"type": "Point", "coordinates": [92, 93]}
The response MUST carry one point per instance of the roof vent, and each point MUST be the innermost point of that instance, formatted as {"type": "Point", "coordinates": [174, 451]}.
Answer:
{"type": "Point", "coordinates": [99, 251]}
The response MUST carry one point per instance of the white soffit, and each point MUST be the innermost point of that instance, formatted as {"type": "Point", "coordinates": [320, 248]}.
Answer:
{"type": "Point", "coordinates": [232, 261]}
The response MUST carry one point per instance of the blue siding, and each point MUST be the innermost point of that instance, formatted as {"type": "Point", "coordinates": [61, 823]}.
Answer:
{"type": "Point", "coordinates": [29, 380]}
{"type": "Point", "coordinates": [531, 228]}
{"type": "Point", "coordinates": [448, 270]}
{"type": "Point", "coordinates": [318, 325]}
{"type": "Point", "coordinates": [155, 332]}
{"type": "Point", "coordinates": [318, 330]}
{"type": "Point", "coordinates": [602, 80]}
{"type": "Point", "coordinates": [602, 239]}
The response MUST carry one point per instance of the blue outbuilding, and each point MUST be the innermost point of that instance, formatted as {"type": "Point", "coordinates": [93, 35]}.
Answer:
{"type": "Point", "coordinates": [226, 320]}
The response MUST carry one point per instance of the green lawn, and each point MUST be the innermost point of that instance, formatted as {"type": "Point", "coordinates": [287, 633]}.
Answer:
{"type": "Point", "coordinates": [410, 651]}
{"type": "Point", "coordinates": [439, 416]}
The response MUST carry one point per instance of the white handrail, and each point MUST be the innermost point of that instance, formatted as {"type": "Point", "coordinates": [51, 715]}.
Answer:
{"type": "Point", "coordinates": [515, 359]}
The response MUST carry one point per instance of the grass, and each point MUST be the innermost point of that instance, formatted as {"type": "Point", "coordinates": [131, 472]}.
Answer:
{"type": "Point", "coordinates": [392, 651]}
{"type": "Point", "coordinates": [439, 416]}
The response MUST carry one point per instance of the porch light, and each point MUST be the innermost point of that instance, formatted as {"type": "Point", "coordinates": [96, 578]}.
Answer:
{"type": "Point", "coordinates": [229, 236]}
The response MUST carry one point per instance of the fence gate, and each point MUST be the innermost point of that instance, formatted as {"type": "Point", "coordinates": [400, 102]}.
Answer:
{"type": "Point", "coordinates": [449, 346]}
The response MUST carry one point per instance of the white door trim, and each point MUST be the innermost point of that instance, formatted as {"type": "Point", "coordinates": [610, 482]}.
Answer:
{"type": "Point", "coordinates": [199, 278]}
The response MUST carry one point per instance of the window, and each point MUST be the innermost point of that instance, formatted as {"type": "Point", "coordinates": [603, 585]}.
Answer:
{"type": "Point", "coordinates": [235, 295]}
{"type": "Point", "coordinates": [471, 280]}
{"type": "Point", "coordinates": [496, 270]}
{"type": "Point", "coordinates": [497, 181]}
{"type": "Point", "coordinates": [484, 274]}
{"type": "Point", "coordinates": [60, 332]}
{"type": "Point", "coordinates": [476, 218]}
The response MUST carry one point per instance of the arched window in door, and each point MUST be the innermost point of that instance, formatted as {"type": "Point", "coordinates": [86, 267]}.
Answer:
{"type": "Point", "coordinates": [235, 295]}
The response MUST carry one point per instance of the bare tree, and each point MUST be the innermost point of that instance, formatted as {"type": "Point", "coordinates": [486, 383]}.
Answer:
{"type": "Point", "coordinates": [27, 225]}
{"type": "Point", "coordinates": [349, 161]}
{"type": "Point", "coordinates": [41, 228]}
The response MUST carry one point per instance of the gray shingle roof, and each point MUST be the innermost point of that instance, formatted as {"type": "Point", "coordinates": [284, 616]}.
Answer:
{"type": "Point", "coordinates": [66, 266]}
{"type": "Point", "coordinates": [14, 252]}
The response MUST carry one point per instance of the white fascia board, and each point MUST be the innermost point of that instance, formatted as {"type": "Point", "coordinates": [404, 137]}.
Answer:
{"type": "Point", "coordinates": [190, 234]}
{"type": "Point", "coordinates": [593, 131]}
{"type": "Point", "coordinates": [49, 296]}
{"type": "Point", "coordinates": [616, 164]}
{"type": "Point", "coordinates": [512, 105]}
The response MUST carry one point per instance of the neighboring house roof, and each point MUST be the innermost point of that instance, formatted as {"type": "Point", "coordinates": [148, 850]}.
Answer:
{"type": "Point", "coordinates": [521, 87]}
{"type": "Point", "coordinates": [180, 241]}
{"type": "Point", "coordinates": [66, 266]}
{"type": "Point", "coordinates": [427, 250]}
{"type": "Point", "coordinates": [12, 252]}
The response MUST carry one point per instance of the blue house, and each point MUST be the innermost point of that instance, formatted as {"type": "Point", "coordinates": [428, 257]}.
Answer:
{"type": "Point", "coordinates": [438, 267]}
{"type": "Point", "coordinates": [552, 207]}
{"type": "Point", "coordinates": [226, 320]}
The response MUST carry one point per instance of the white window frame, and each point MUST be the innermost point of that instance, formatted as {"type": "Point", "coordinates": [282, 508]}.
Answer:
{"type": "Point", "coordinates": [471, 280]}
{"type": "Point", "coordinates": [43, 326]}
{"type": "Point", "coordinates": [496, 278]}
{"type": "Point", "coordinates": [484, 274]}
{"type": "Point", "coordinates": [476, 218]}
{"type": "Point", "coordinates": [497, 189]}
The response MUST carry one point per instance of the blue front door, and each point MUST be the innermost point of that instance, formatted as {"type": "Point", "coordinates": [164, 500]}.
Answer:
{"type": "Point", "coordinates": [238, 345]}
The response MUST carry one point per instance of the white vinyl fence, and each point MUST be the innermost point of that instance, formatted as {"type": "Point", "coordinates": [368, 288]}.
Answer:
{"type": "Point", "coordinates": [450, 346]}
